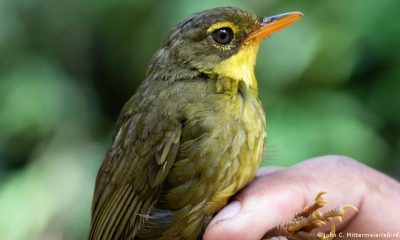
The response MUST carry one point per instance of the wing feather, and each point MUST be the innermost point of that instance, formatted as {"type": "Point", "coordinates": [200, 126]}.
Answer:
{"type": "Point", "coordinates": [131, 177]}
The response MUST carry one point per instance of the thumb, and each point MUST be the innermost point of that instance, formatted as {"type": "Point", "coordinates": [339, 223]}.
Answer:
{"type": "Point", "coordinates": [262, 205]}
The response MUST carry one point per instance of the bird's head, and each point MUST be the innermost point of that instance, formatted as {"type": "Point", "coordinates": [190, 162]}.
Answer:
{"type": "Point", "coordinates": [220, 42]}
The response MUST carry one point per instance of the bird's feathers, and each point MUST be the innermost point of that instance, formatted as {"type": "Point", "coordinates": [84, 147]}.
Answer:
{"type": "Point", "coordinates": [123, 196]}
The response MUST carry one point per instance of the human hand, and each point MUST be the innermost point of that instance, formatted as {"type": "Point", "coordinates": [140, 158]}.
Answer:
{"type": "Point", "coordinates": [276, 195]}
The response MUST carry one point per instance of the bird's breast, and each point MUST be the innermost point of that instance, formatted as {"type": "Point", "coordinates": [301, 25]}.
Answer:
{"type": "Point", "coordinates": [221, 148]}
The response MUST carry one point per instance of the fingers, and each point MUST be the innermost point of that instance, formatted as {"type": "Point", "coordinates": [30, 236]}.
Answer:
{"type": "Point", "coordinates": [276, 195]}
{"type": "Point", "coordinates": [380, 205]}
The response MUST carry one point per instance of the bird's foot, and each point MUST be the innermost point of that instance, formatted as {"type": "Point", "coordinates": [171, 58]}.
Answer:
{"type": "Point", "coordinates": [301, 226]}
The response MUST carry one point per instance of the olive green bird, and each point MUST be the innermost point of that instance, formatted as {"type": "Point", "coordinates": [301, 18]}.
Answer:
{"type": "Point", "coordinates": [193, 133]}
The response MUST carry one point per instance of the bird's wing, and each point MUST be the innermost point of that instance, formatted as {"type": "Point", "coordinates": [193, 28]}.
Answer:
{"type": "Point", "coordinates": [131, 177]}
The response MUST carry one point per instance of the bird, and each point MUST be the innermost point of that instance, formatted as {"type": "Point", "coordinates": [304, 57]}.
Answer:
{"type": "Point", "coordinates": [193, 133]}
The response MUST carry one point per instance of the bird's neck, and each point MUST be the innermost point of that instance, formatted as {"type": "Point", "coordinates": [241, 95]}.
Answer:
{"type": "Point", "coordinates": [163, 67]}
{"type": "Point", "coordinates": [228, 76]}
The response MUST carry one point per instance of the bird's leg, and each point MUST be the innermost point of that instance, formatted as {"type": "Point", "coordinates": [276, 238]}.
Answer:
{"type": "Point", "coordinates": [310, 218]}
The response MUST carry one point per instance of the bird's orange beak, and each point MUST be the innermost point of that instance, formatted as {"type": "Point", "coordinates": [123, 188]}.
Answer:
{"type": "Point", "coordinates": [273, 24]}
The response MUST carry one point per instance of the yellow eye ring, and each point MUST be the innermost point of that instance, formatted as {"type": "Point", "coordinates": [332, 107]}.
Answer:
{"type": "Point", "coordinates": [224, 24]}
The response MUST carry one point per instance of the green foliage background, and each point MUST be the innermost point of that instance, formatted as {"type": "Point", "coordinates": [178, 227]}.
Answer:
{"type": "Point", "coordinates": [330, 85]}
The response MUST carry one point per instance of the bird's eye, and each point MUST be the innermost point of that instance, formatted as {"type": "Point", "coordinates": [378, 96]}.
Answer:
{"type": "Point", "coordinates": [222, 36]}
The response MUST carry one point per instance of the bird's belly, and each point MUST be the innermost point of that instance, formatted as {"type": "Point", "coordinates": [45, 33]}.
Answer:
{"type": "Point", "coordinates": [219, 155]}
{"type": "Point", "coordinates": [241, 154]}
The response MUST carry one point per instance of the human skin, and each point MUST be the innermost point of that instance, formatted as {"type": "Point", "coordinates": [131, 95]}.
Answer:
{"type": "Point", "coordinates": [276, 194]}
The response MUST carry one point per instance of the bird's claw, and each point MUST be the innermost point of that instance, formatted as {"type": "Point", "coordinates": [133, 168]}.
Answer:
{"type": "Point", "coordinates": [310, 218]}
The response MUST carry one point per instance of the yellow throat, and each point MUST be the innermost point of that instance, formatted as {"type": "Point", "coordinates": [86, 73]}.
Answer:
{"type": "Point", "coordinates": [240, 67]}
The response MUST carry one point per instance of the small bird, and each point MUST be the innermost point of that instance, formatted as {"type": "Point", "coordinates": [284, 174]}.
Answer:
{"type": "Point", "coordinates": [193, 133]}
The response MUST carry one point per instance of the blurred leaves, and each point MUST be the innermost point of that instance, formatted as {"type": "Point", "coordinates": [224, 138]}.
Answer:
{"type": "Point", "coordinates": [330, 85]}
{"type": "Point", "coordinates": [315, 123]}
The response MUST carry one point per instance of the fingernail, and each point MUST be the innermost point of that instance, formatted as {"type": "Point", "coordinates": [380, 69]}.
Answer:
{"type": "Point", "coordinates": [231, 210]}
